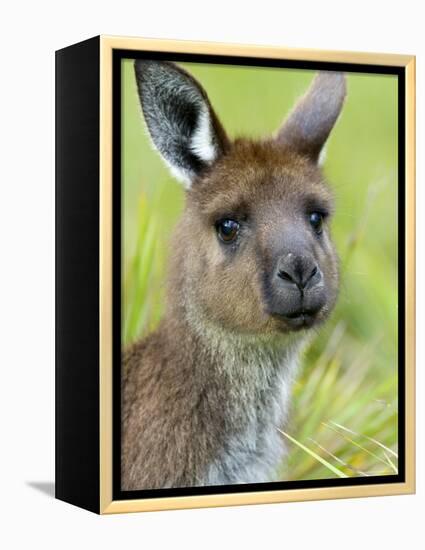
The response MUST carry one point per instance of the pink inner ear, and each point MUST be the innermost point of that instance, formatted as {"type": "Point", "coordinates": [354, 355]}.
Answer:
{"type": "Point", "coordinates": [309, 124]}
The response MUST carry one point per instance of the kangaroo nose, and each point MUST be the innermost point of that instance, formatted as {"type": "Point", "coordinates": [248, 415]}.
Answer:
{"type": "Point", "coordinates": [299, 271]}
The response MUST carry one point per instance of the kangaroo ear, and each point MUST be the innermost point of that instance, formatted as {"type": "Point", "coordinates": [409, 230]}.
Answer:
{"type": "Point", "coordinates": [181, 122]}
{"type": "Point", "coordinates": [309, 124]}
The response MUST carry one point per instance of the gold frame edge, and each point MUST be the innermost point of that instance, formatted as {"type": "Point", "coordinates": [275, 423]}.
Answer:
{"type": "Point", "coordinates": [106, 503]}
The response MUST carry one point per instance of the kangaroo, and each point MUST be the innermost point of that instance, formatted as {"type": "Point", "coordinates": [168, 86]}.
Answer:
{"type": "Point", "coordinates": [252, 271]}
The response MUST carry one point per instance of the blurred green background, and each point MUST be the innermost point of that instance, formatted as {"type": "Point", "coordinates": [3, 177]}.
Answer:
{"type": "Point", "coordinates": [344, 411]}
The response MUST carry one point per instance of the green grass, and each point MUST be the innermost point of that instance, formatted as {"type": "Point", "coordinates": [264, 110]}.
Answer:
{"type": "Point", "coordinates": [344, 411]}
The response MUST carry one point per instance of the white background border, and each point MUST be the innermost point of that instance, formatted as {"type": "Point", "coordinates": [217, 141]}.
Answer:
{"type": "Point", "coordinates": [30, 32]}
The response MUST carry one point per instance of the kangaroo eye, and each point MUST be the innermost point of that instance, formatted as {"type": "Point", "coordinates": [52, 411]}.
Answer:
{"type": "Point", "coordinates": [227, 230]}
{"type": "Point", "coordinates": [316, 222]}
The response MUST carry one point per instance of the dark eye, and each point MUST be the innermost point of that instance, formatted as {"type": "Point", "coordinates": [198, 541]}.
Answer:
{"type": "Point", "coordinates": [316, 222]}
{"type": "Point", "coordinates": [227, 230]}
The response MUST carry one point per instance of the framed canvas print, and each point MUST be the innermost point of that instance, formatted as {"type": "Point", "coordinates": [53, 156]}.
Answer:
{"type": "Point", "coordinates": [234, 274]}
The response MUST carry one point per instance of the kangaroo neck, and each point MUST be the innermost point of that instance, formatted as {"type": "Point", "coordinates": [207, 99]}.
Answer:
{"type": "Point", "coordinates": [215, 351]}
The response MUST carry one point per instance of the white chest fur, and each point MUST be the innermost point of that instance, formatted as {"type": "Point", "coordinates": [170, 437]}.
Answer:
{"type": "Point", "coordinates": [255, 449]}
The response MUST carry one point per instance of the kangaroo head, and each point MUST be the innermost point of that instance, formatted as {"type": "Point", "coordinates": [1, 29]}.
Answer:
{"type": "Point", "coordinates": [252, 251]}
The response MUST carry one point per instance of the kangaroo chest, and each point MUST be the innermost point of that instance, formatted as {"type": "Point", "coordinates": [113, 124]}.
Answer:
{"type": "Point", "coordinates": [251, 447]}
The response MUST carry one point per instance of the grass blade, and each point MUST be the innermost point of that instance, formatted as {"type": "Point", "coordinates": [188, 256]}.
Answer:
{"type": "Point", "coordinates": [366, 437]}
{"type": "Point", "coordinates": [324, 462]}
